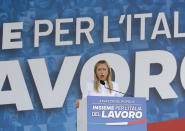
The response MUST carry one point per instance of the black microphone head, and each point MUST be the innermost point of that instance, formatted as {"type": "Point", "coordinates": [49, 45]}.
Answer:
{"type": "Point", "coordinates": [102, 82]}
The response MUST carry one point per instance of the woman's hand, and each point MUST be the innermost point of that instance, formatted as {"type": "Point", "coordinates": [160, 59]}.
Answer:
{"type": "Point", "coordinates": [78, 103]}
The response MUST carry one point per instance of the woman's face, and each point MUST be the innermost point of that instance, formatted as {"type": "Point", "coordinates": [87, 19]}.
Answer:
{"type": "Point", "coordinates": [102, 72]}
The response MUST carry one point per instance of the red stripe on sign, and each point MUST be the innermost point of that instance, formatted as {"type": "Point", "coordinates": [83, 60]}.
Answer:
{"type": "Point", "coordinates": [136, 122]}
{"type": "Point", "coordinates": [171, 125]}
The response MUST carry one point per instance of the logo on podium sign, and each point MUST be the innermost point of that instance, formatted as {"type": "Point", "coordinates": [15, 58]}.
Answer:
{"type": "Point", "coordinates": [114, 113]}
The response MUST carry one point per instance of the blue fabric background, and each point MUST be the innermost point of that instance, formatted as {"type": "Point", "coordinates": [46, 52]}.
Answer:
{"type": "Point", "coordinates": [64, 119]}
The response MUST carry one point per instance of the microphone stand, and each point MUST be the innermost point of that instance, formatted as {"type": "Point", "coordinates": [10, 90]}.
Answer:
{"type": "Point", "coordinates": [103, 83]}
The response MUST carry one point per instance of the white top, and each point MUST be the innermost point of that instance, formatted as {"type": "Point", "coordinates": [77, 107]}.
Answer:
{"type": "Point", "coordinates": [102, 91]}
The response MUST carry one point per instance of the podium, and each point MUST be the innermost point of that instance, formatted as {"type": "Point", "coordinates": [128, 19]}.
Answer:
{"type": "Point", "coordinates": [98, 113]}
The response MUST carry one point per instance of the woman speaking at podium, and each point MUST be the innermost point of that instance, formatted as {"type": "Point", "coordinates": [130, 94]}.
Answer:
{"type": "Point", "coordinates": [102, 84]}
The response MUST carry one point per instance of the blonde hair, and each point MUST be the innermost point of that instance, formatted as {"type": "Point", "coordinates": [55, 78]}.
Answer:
{"type": "Point", "coordinates": [109, 76]}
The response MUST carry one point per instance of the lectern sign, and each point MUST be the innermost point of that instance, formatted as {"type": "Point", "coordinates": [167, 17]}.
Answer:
{"type": "Point", "coordinates": [115, 113]}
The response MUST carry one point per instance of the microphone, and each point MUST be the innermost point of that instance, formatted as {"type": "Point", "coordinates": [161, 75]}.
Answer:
{"type": "Point", "coordinates": [103, 83]}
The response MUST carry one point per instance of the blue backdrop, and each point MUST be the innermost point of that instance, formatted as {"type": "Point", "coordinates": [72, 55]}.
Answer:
{"type": "Point", "coordinates": [64, 119]}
